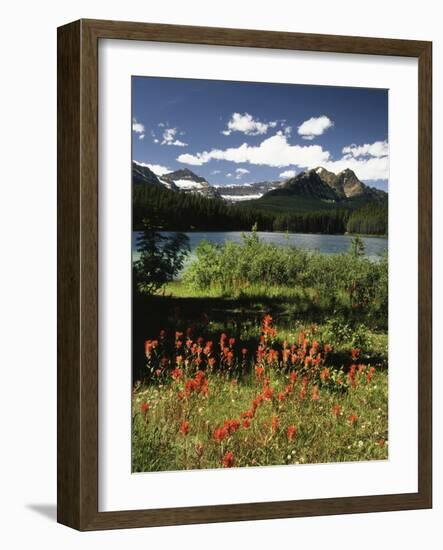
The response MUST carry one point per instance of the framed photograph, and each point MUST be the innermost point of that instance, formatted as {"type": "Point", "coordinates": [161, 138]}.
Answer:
{"type": "Point", "coordinates": [244, 275]}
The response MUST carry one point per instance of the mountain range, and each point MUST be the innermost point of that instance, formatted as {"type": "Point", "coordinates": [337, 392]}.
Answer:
{"type": "Point", "coordinates": [314, 189]}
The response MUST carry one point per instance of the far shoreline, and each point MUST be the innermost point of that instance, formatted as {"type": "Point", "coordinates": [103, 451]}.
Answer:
{"type": "Point", "coordinates": [366, 235]}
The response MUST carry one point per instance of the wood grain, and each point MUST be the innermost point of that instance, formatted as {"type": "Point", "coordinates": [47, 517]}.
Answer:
{"type": "Point", "coordinates": [77, 172]}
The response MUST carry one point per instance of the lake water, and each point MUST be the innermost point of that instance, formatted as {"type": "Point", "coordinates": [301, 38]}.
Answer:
{"type": "Point", "coordinates": [326, 244]}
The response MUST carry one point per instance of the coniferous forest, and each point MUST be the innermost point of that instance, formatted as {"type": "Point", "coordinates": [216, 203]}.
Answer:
{"type": "Point", "coordinates": [193, 212]}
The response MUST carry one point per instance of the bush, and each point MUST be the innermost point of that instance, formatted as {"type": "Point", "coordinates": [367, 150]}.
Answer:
{"type": "Point", "coordinates": [231, 267]}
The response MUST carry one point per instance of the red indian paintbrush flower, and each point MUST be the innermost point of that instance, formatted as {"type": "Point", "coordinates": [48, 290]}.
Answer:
{"type": "Point", "coordinates": [291, 432]}
{"type": "Point", "coordinates": [144, 407]}
{"type": "Point", "coordinates": [336, 410]}
{"type": "Point", "coordinates": [324, 375]}
{"type": "Point", "coordinates": [246, 423]}
{"type": "Point", "coordinates": [231, 426]}
{"type": "Point", "coordinates": [315, 396]}
{"type": "Point", "coordinates": [220, 434]}
{"type": "Point", "coordinates": [184, 427]}
{"type": "Point", "coordinates": [177, 374]}
{"type": "Point", "coordinates": [353, 419]}
{"type": "Point", "coordinates": [268, 392]}
{"type": "Point", "coordinates": [228, 460]}
{"type": "Point", "coordinates": [355, 352]}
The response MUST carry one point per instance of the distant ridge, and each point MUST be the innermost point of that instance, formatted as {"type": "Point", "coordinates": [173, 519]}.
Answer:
{"type": "Point", "coordinates": [321, 184]}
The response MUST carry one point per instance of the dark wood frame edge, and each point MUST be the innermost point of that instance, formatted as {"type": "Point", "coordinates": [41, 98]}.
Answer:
{"type": "Point", "coordinates": [77, 354]}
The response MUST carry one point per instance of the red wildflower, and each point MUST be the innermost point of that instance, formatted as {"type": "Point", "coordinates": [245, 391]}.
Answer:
{"type": "Point", "coordinates": [230, 358]}
{"type": "Point", "coordinates": [281, 396]}
{"type": "Point", "coordinates": [208, 348]}
{"type": "Point", "coordinates": [178, 335]}
{"type": "Point", "coordinates": [178, 343]}
{"type": "Point", "coordinates": [288, 389]}
{"type": "Point", "coordinates": [353, 419]}
{"type": "Point", "coordinates": [370, 374]}
{"type": "Point", "coordinates": [247, 414]}
{"type": "Point", "coordinates": [327, 348]}
{"type": "Point", "coordinates": [381, 442]}
{"type": "Point", "coordinates": [148, 347]}
{"type": "Point", "coordinates": [291, 432]}
{"type": "Point", "coordinates": [315, 396]}
{"type": "Point", "coordinates": [231, 426]}
{"type": "Point", "coordinates": [355, 352]}
{"type": "Point", "coordinates": [351, 375]}
{"type": "Point", "coordinates": [259, 372]}
{"type": "Point", "coordinates": [231, 341]}
{"type": "Point", "coordinates": [244, 351]}
{"type": "Point", "coordinates": [302, 393]}
{"type": "Point", "coordinates": [220, 434]}
{"type": "Point", "coordinates": [212, 361]}
{"type": "Point", "coordinates": [158, 372]}
{"type": "Point", "coordinates": [144, 407]}
{"type": "Point", "coordinates": [268, 393]}
{"type": "Point", "coordinates": [184, 427]}
{"type": "Point", "coordinates": [177, 374]}
{"type": "Point", "coordinates": [324, 375]}
{"type": "Point", "coordinates": [228, 460]}
{"type": "Point", "coordinates": [336, 410]}
{"type": "Point", "coordinates": [293, 377]}
{"type": "Point", "coordinates": [246, 423]}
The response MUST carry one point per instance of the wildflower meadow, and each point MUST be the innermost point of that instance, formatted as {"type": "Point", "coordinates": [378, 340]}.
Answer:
{"type": "Point", "coordinates": [273, 400]}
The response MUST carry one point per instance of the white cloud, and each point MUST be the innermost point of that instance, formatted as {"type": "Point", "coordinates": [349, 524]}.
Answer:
{"type": "Point", "coordinates": [373, 168]}
{"type": "Point", "coordinates": [214, 172]}
{"type": "Point", "coordinates": [369, 161]}
{"type": "Point", "coordinates": [156, 140]}
{"type": "Point", "coordinates": [376, 149]}
{"type": "Point", "coordinates": [158, 169]}
{"type": "Point", "coordinates": [169, 138]}
{"type": "Point", "coordinates": [240, 172]}
{"type": "Point", "coordinates": [141, 136]}
{"type": "Point", "coordinates": [246, 124]}
{"type": "Point", "coordinates": [229, 175]}
{"type": "Point", "coordinates": [273, 151]}
{"type": "Point", "coordinates": [314, 127]}
{"type": "Point", "coordinates": [288, 174]}
{"type": "Point", "coordinates": [137, 127]}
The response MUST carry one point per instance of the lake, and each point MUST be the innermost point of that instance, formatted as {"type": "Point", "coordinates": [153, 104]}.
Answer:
{"type": "Point", "coordinates": [326, 244]}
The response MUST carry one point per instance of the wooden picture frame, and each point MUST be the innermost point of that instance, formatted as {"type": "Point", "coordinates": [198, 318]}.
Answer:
{"type": "Point", "coordinates": [78, 274]}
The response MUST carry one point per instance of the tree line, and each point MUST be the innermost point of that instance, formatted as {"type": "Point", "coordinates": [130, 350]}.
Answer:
{"type": "Point", "coordinates": [193, 212]}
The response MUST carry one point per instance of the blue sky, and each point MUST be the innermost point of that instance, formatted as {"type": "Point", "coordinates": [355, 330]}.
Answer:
{"type": "Point", "coordinates": [241, 132]}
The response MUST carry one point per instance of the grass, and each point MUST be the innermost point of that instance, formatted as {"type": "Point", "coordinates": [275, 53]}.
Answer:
{"type": "Point", "coordinates": [218, 382]}
{"type": "Point", "coordinates": [302, 416]}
